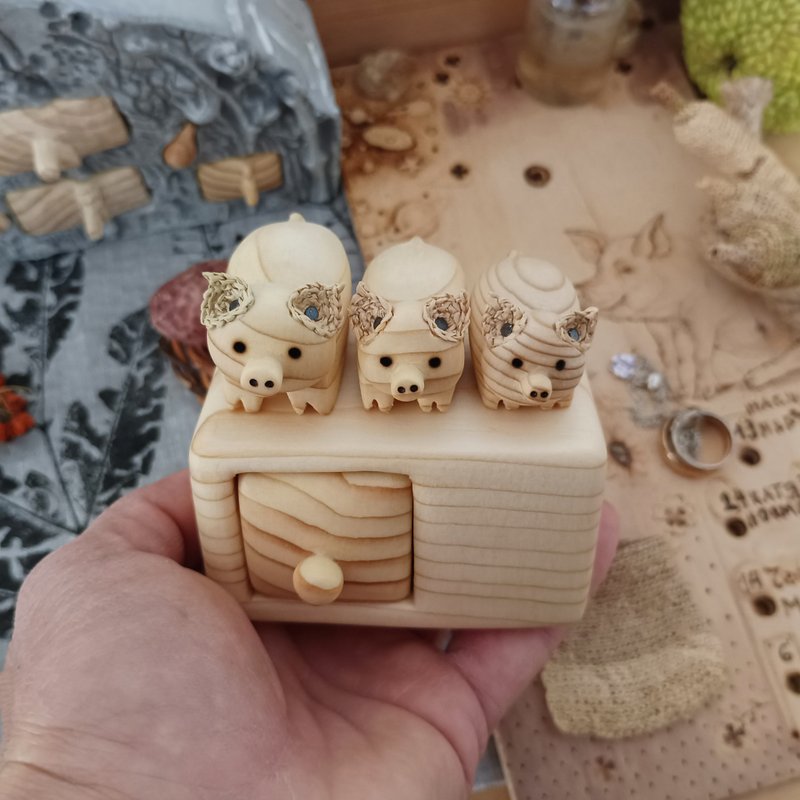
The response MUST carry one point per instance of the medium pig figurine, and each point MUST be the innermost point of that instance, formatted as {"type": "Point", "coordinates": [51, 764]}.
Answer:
{"type": "Point", "coordinates": [410, 315]}
{"type": "Point", "coordinates": [528, 335]}
{"type": "Point", "coordinates": [276, 319]}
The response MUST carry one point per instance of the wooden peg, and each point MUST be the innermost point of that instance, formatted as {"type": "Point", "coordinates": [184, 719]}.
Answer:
{"type": "Point", "coordinates": [248, 184]}
{"type": "Point", "coordinates": [318, 580]}
{"type": "Point", "coordinates": [92, 207]}
{"type": "Point", "coordinates": [182, 150]}
{"type": "Point", "coordinates": [51, 157]}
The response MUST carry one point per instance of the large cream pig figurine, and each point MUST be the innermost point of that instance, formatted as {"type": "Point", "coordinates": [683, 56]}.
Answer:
{"type": "Point", "coordinates": [528, 335]}
{"type": "Point", "coordinates": [276, 319]}
{"type": "Point", "coordinates": [410, 314]}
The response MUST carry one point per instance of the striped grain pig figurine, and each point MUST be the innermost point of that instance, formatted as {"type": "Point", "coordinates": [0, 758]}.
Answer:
{"type": "Point", "coordinates": [276, 319]}
{"type": "Point", "coordinates": [528, 335]}
{"type": "Point", "coordinates": [410, 315]}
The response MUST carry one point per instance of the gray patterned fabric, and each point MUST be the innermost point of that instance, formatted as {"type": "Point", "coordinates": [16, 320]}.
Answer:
{"type": "Point", "coordinates": [111, 415]}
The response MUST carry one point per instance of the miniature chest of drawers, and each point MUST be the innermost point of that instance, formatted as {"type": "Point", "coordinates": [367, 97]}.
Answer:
{"type": "Point", "coordinates": [474, 518]}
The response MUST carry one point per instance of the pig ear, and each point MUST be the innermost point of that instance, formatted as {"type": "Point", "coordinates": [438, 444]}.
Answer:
{"type": "Point", "coordinates": [652, 241]}
{"type": "Point", "coordinates": [369, 314]}
{"type": "Point", "coordinates": [319, 307]}
{"type": "Point", "coordinates": [226, 298]}
{"type": "Point", "coordinates": [447, 315]}
{"type": "Point", "coordinates": [502, 321]}
{"type": "Point", "coordinates": [577, 328]}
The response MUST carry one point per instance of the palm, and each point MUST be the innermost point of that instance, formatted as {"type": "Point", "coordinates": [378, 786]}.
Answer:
{"type": "Point", "coordinates": [134, 675]}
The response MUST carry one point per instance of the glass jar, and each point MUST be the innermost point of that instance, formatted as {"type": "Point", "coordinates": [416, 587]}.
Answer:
{"type": "Point", "coordinates": [570, 46]}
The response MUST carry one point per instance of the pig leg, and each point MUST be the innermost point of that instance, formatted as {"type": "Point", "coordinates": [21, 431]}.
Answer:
{"type": "Point", "coordinates": [321, 398]}
{"type": "Point", "coordinates": [233, 395]}
{"type": "Point", "coordinates": [441, 400]}
{"type": "Point", "coordinates": [665, 340]}
{"type": "Point", "coordinates": [370, 395]}
{"type": "Point", "coordinates": [703, 334]}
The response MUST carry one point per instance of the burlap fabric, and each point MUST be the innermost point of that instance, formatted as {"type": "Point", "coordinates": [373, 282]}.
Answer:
{"type": "Point", "coordinates": [641, 658]}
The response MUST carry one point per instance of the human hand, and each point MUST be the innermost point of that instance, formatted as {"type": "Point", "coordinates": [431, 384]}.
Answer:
{"type": "Point", "coordinates": [131, 676]}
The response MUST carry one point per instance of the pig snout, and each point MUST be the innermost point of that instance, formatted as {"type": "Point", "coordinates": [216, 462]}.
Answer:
{"type": "Point", "coordinates": [263, 376]}
{"type": "Point", "coordinates": [407, 383]}
{"type": "Point", "coordinates": [537, 386]}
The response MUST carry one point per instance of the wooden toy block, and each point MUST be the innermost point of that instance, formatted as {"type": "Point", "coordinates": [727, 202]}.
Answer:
{"type": "Point", "coordinates": [473, 518]}
{"type": "Point", "coordinates": [410, 316]}
{"type": "Point", "coordinates": [242, 177]}
{"type": "Point", "coordinates": [528, 334]}
{"type": "Point", "coordinates": [56, 136]}
{"type": "Point", "coordinates": [66, 204]}
{"type": "Point", "coordinates": [276, 318]}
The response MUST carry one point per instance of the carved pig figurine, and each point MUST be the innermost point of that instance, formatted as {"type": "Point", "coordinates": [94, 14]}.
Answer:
{"type": "Point", "coordinates": [410, 315]}
{"type": "Point", "coordinates": [528, 335]}
{"type": "Point", "coordinates": [276, 319]}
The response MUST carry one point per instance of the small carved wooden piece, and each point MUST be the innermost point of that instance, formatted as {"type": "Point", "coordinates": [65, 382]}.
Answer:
{"type": "Point", "coordinates": [68, 203]}
{"type": "Point", "coordinates": [276, 319]}
{"type": "Point", "coordinates": [410, 315]}
{"type": "Point", "coordinates": [328, 536]}
{"type": "Point", "coordinates": [528, 335]}
{"type": "Point", "coordinates": [234, 178]}
{"type": "Point", "coordinates": [57, 136]}
{"type": "Point", "coordinates": [182, 150]}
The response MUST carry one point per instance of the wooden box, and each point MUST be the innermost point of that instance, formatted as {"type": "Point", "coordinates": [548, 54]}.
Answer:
{"type": "Point", "coordinates": [473, 518]}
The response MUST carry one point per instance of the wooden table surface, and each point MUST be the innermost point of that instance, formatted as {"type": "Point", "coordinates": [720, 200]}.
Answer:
{"type": "Point", "coordinates": [489, 170]}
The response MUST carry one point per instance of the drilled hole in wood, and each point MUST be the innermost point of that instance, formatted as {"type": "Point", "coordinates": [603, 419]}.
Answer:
{"type": "Point", "coordinates": [459, 171]}
{"type": "Point", "coordinates": [793, 682]}
{"type": "Point", "coordinates": [624, 67]}
{"type": "Point", "coordinates": [537, 175]}
{"type": "Point", "coordinates": [442, 77]}
{"type": "Point", "coordinates": [452, 60]}
{"type": "Point", "coordinates": [764, 605]}
{"type": "Point", "coordinates": [749, 455]}
{"type": "Point", "coordinates": [621, 453]}
{"type": "Point", "coordinates": [736, 527]}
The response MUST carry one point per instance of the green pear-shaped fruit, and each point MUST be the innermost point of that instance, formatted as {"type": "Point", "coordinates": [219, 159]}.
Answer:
{"type": "Point", "coordinates": [727, 39]}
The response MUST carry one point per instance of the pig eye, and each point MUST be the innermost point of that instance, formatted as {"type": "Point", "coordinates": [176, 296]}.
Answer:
{"type": "Point", "coordinates": [312, 312]}
{"type": "Point", "coordinates": [239, 347]}
{"type": "Point", "coordinates": [386, 361]}
{"type": "Point", "coordinates": [506, 329]}
{"type": "Point", "coordinates": [560, 364]}
{"type": "Point", "coordinates": [434, 362]}
{"type": "Point", "coordinates": [295, 352]}
{"type": "Point", "coordinates": [441, 323]}
{"type": "Point", "coordinates": [377, 321]}
{"type": "Point", "coordinates": [517, 362]}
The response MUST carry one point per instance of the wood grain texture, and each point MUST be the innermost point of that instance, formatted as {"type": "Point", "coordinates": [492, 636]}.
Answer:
{"type": "Point", "coordinates": [501, 532]}
{"type": "Point", "coordinates": [57, 136]}
{"type": "Point", "coordinates": [352, 28]}
{"type": "Point", "coordinates": [410, 315]}
{"type": "Point", "coordinates": [289, 519]}
{"type": "Point", "coordinates": [49, 208]}
{"type": "Point", "coordinates": [277, 319]}
{"type": "Point", "coordinates": [522, 331]}
{"type": "Point", "coordinates": [242, 177]}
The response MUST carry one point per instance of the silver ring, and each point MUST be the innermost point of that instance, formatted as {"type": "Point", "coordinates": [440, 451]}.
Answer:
{"type": "Point", "coordinates": [696, 441]}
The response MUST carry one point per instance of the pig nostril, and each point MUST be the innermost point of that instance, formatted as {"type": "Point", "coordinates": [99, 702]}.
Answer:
{"type": "Point", "coordinates": [534, 394]}
{"type": "Point", "coordinates": [269, 384]}
{"type": "Point", "coordinates": [253, 382]}
{"type": "Point", "coordinates": [401, 389]}
{"type": "Point", "coordinates": [544, 395]}
{"type": "Point", "coordinates": [413, 387]}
